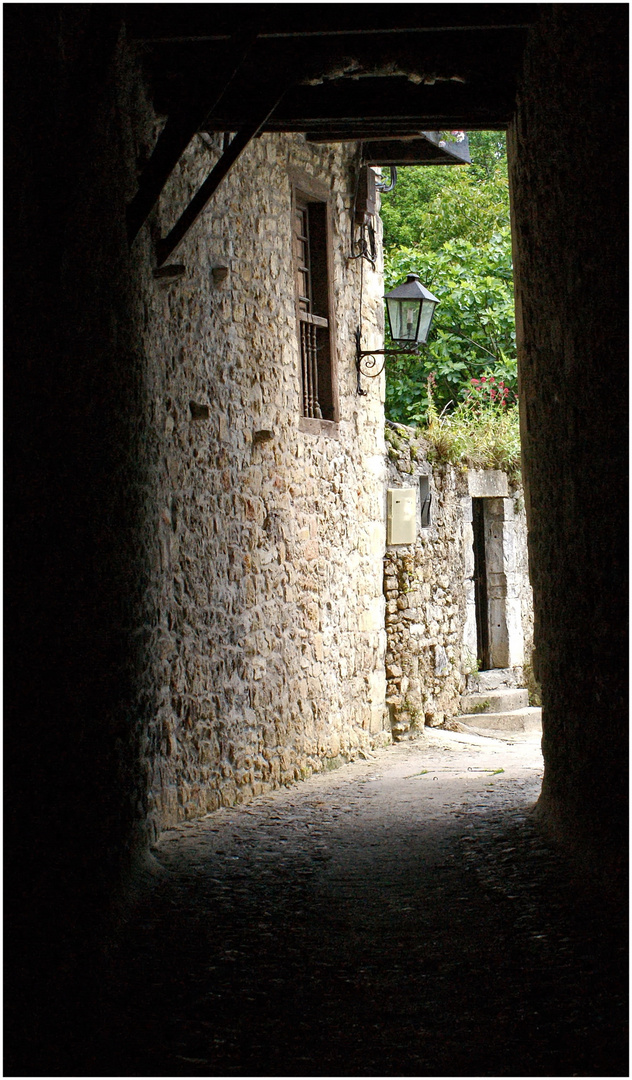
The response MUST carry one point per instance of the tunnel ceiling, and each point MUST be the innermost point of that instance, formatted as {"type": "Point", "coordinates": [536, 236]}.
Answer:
{"type": "Point", "coordinates": [383, 75]}
{"type": "Point", "coordinates": [335, 72]}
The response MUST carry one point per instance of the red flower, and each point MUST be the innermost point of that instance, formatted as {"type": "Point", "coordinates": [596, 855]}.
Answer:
{"type": "Point", "coordinates": [474, 382]}
{"type": "Point", "coordinates": [483, 378]}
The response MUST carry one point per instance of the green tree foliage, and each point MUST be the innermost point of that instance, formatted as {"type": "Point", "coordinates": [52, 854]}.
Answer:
{"type": "Point", "coordinates": [432, 204]}
{"type": "Point", "coordinates": [451, 226]}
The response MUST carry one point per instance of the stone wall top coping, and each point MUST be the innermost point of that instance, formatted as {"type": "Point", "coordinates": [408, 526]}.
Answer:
{"type": "Point", "coordinates": [487, 483]}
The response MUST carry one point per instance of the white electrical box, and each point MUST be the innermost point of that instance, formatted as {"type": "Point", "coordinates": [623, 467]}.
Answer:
{"type": "Point", "coordinates": [401, 516]}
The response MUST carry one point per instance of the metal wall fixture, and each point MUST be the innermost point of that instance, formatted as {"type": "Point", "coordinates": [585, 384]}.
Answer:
{"type": "Point", "coordinates": [410, 308]}
{"type": "Point", "coordinates": [385, 188]}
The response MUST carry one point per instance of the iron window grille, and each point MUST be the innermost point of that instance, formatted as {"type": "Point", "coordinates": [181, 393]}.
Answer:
{"type": "Point", "coordinates": [312, 280]}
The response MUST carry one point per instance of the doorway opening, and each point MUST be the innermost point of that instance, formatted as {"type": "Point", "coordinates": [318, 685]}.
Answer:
{"type": "Point", "coordinates": [494, 632]}
{"type": "Point", "coordinates": [480, 586]}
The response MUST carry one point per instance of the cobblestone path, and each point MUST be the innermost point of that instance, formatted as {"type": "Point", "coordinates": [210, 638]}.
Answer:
{"type": "Point", "coordinates": [401, 916]}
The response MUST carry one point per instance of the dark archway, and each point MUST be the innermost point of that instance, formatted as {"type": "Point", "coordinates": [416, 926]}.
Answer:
{"type": "Point", "coordinates": [78, 434]}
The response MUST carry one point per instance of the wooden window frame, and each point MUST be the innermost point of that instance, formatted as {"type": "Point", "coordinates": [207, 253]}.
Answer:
{"type": "Point", "coordinates": [306, 189]}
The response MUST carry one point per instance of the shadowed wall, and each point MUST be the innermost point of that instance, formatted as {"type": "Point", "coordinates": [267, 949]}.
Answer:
{"type": "Point", "coordinates": [568, 167]}
{"type": "Point", "coordinates": [78, 599]}
{"type": "Point", "coordinates": [81, 460]}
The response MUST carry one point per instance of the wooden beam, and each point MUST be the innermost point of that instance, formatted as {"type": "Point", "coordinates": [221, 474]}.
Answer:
{"type": "Point", "coordinates": [395, 99]}
{"type": "Point", "coordinates": [177, 134]}
{"type": "Point", "coordinates": [356, 131]}
{"type": "Point", "coordinates": [198, 203]}
{"type": "Point", "coordinates": [370, 101]}
{"type": "Point", "coordinates": [423, 149]}
{"type": "Point", "coordinates": [217, 22]}
{"type": "Point", "coordinates": [328, 65]}
{"type": "Point", "coordinates": [173, 141]}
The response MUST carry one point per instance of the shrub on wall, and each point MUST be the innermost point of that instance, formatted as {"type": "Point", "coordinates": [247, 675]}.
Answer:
{"type": "Point", "coordinates": [483, 431]}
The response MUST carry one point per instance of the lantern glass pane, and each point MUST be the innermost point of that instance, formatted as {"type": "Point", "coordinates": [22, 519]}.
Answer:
{"type": "Point", "coordinates": [427, 311]}
{"type": "Point", "coordinates": [404, 317]}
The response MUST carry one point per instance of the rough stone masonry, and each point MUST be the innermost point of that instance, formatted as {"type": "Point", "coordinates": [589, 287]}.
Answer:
{"type": "Point", "coordinates": [270, 639]}
{"type": "Point", "coordinates": [271, 624]}
{"type": "Point", "coordinates": [429, 585]}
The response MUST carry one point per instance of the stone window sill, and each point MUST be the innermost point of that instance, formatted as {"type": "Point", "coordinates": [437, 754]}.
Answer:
{"type": "Point", "coordinates": [330, 428]}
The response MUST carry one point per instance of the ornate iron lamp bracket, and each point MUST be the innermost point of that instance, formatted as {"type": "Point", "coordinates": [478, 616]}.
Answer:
{"type": "Point", "coordinates": [371, 368]}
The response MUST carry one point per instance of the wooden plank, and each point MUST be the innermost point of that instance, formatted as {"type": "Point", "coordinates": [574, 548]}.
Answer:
{"type": "Point", "coordinates": [421, 145]}
{"type": "Point", "coordinates": [198, 203]}
{"type": "Point", "coordinates": [315, 320]}
{"type": "Point", "coordinates": [374, 142]}
{"type": "Point", "coordinates": [401, 153]}
{"type": "Point", "coordinates": [217, 22]}
{"type": "Point", "coordinates": [414, 152]}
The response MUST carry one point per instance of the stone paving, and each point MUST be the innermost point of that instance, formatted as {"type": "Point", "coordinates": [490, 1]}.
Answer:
{"type": "Point", "coordinates": [399, 916]}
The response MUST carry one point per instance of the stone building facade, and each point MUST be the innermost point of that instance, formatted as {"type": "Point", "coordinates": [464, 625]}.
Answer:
{"type": "Point", "coordinates": [269, 638]}
{"type": "Point", "coordinates": [269, 621]}
{"type": "Point", "coordinates": [430, 584]}
{"type": "Point", "coordinates": [235, 586]}
{"type": "Point", "coordinates": [228, 549]}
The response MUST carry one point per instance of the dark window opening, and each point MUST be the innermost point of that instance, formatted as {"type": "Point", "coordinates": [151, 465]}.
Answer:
{"type": "Point", "coordinates": [313, 303]}
{"type": "Point", "coordinates": [425, 501]}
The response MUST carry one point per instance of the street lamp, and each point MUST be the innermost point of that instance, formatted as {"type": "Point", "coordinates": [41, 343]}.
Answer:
{"type": "Point", "coordinates": [410, 308]}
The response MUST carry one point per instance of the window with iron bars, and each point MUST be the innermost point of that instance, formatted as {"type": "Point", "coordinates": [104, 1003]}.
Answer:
{"type": "Point", "coordinates": [313, 302]}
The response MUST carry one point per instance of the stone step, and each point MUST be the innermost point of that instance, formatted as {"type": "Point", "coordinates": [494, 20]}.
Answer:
{"type": "Point", "coordinates": [494, 701]}
{"type": "Point", "coordinates": [527, 719]}
{"type": "Point", "coordinates": [494, 679]}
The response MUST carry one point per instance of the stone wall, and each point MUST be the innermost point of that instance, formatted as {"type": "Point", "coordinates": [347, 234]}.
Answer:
{"type": "Point", "coordinates": [568, 158]}
{"type": "Point", "coordinates": [429, 587]}
{"type": "Point", "coordinates": [81, 483]}
{"type": "Point", "coordinates": [81, 475]}
{"type": "Point", "coordinates": [205, 608]}
{"type": "Point", "coordinates": [269, 537]}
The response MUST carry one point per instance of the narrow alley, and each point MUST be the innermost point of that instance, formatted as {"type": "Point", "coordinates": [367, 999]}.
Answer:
{"type": "Point", "coordinates": [222, 574]}
{"type": "Point", "coordinates": [401, 915]}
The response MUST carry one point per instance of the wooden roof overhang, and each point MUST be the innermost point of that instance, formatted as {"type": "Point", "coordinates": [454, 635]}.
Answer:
{"type": "Point", "coordinates": [388, 76]}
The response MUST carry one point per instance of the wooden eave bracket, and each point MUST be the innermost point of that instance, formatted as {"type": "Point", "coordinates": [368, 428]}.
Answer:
{"type": "Point", "coordinates": [176, 136]}
{"type": "Point", "coordinates": [168, 244]}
